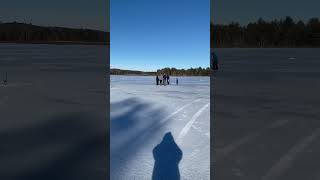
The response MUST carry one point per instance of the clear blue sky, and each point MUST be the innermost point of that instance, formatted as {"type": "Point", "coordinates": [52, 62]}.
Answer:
{"type": "Point", "coordinates": [151, 34]}
{"type": "Point", "coordinates": [244, 11]}
{"type": "Point", "coordinates": [93, 14]}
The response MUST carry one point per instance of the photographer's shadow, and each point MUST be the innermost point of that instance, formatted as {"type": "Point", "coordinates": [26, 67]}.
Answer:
{"type": "Point", "coordinates": [167, 156]}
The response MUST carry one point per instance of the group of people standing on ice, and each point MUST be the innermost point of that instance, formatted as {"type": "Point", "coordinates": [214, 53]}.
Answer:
{"type": "Point", "coordinates": [164, 80]}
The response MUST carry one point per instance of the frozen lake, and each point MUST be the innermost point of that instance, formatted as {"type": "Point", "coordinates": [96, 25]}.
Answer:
{"type": "Point", "coordinates": [160, 131]}
{"type": "Point", "coordinates": [265, 114]}
{"type": "Point", "coordinates": [53, 112]}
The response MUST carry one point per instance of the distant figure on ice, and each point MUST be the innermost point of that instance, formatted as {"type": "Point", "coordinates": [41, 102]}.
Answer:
{"type": "Point", "coordinates": [177, 81]}
{"type": "Point", "coordinates": [5, 81]}
{"type": "Point", "coordinates": [164, 79]}
{"type": "Point", "coordinates": [167, 156]}
{"type": "Point", "coordinates": [168, 79]}
{"type": "Point", "coordinates": [160, 79]}
{"type": "Point", "coordinates": [157, 80]}
{"type": "Point", "coordinates": [214, 61]}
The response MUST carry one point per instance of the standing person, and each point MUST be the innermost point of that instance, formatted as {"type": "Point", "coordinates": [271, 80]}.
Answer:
{"type": "Point", "coordinates": [5, 81]}
{"type": "Point", "coordinates": [164, 79]}
{"type": "Point", "coordinates": [160, 79]}
{"type": "Point", "coordinates": [214, 61]}
{"type": "Point", "coordinates": [168, 79]}
{"type": "Point", "coordinates": [177, 81]}
{"type": "Point", "coordinates": [157, 80]}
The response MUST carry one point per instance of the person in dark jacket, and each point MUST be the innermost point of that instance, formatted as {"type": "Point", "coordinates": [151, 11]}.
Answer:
{"type": "Point", "coordinates": [214, 61]}
{"type": "Point", "coordinates": [177, 81]}
{"type": "Point", "coordinates": [168, 79]}
{"type": "Point", "coordinates": [157, 80]}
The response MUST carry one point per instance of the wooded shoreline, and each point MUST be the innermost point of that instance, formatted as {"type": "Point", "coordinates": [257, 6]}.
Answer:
{"type": "Point", "coordinates": [277, 33]}
{"type": "Point", "coordinates": [57, 42]}
{"type": "Point", "coordinates": [15, 32]}
{"type": "Point", "coordinates": [170, 71]}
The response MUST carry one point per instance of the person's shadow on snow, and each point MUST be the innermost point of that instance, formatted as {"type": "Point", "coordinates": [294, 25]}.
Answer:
{"type": "Point", "coordinates": [167, 156]}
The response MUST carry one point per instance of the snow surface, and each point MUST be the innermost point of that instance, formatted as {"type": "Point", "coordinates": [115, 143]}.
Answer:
{"type": "Point", "coordinates": [143, 118]}
{"type": "Point", "coordinates": [53, 112]}
{"type": "Point", "coordinates": [266, 114]}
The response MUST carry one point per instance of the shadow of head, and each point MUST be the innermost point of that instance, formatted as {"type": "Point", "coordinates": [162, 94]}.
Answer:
{"type": "Point", "coordinates": [167, 156]}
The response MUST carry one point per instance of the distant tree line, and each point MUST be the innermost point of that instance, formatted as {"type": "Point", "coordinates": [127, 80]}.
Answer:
{"type": "Point", "coordinates": [130, 72]}
{"type": "Point", "coordinates": [276, 33]}
{"type": "Point", "coordinates": [185, 72]}
{"type": "Point", "coordinates": [170, 71]}
{"type": "Point", "coordinates": [22, 32]}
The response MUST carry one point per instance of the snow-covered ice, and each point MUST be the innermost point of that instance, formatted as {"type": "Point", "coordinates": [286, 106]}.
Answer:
{"type": "Point", "coordinates": [53, 112]}
{"type": "Point", "coordinates": [173, 118]}
{"type": "Point", "coordinates": [266, 114]}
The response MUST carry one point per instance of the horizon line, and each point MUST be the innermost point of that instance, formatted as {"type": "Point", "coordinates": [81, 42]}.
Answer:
{"type": "Point", "coordinates": [54, 26]}
{"type": "Point", "coordinates": [305, 20]}
{"type": "Point", "coordinates": [157, 69]}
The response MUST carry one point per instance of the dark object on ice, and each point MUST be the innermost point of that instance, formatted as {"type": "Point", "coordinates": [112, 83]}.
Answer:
{"type": "Point", "coordinates": [168, 79]}
{"type": "Point", "coordinates": [5, 81]}
{"type": "Point", "coordinates": [214, 61]}
{"type": "Point", "coordinates": [157, 80]}
{"type": "Point", "coordinates": [167, 156]}
{"type": "Point", "coordinates": [177, 81]}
